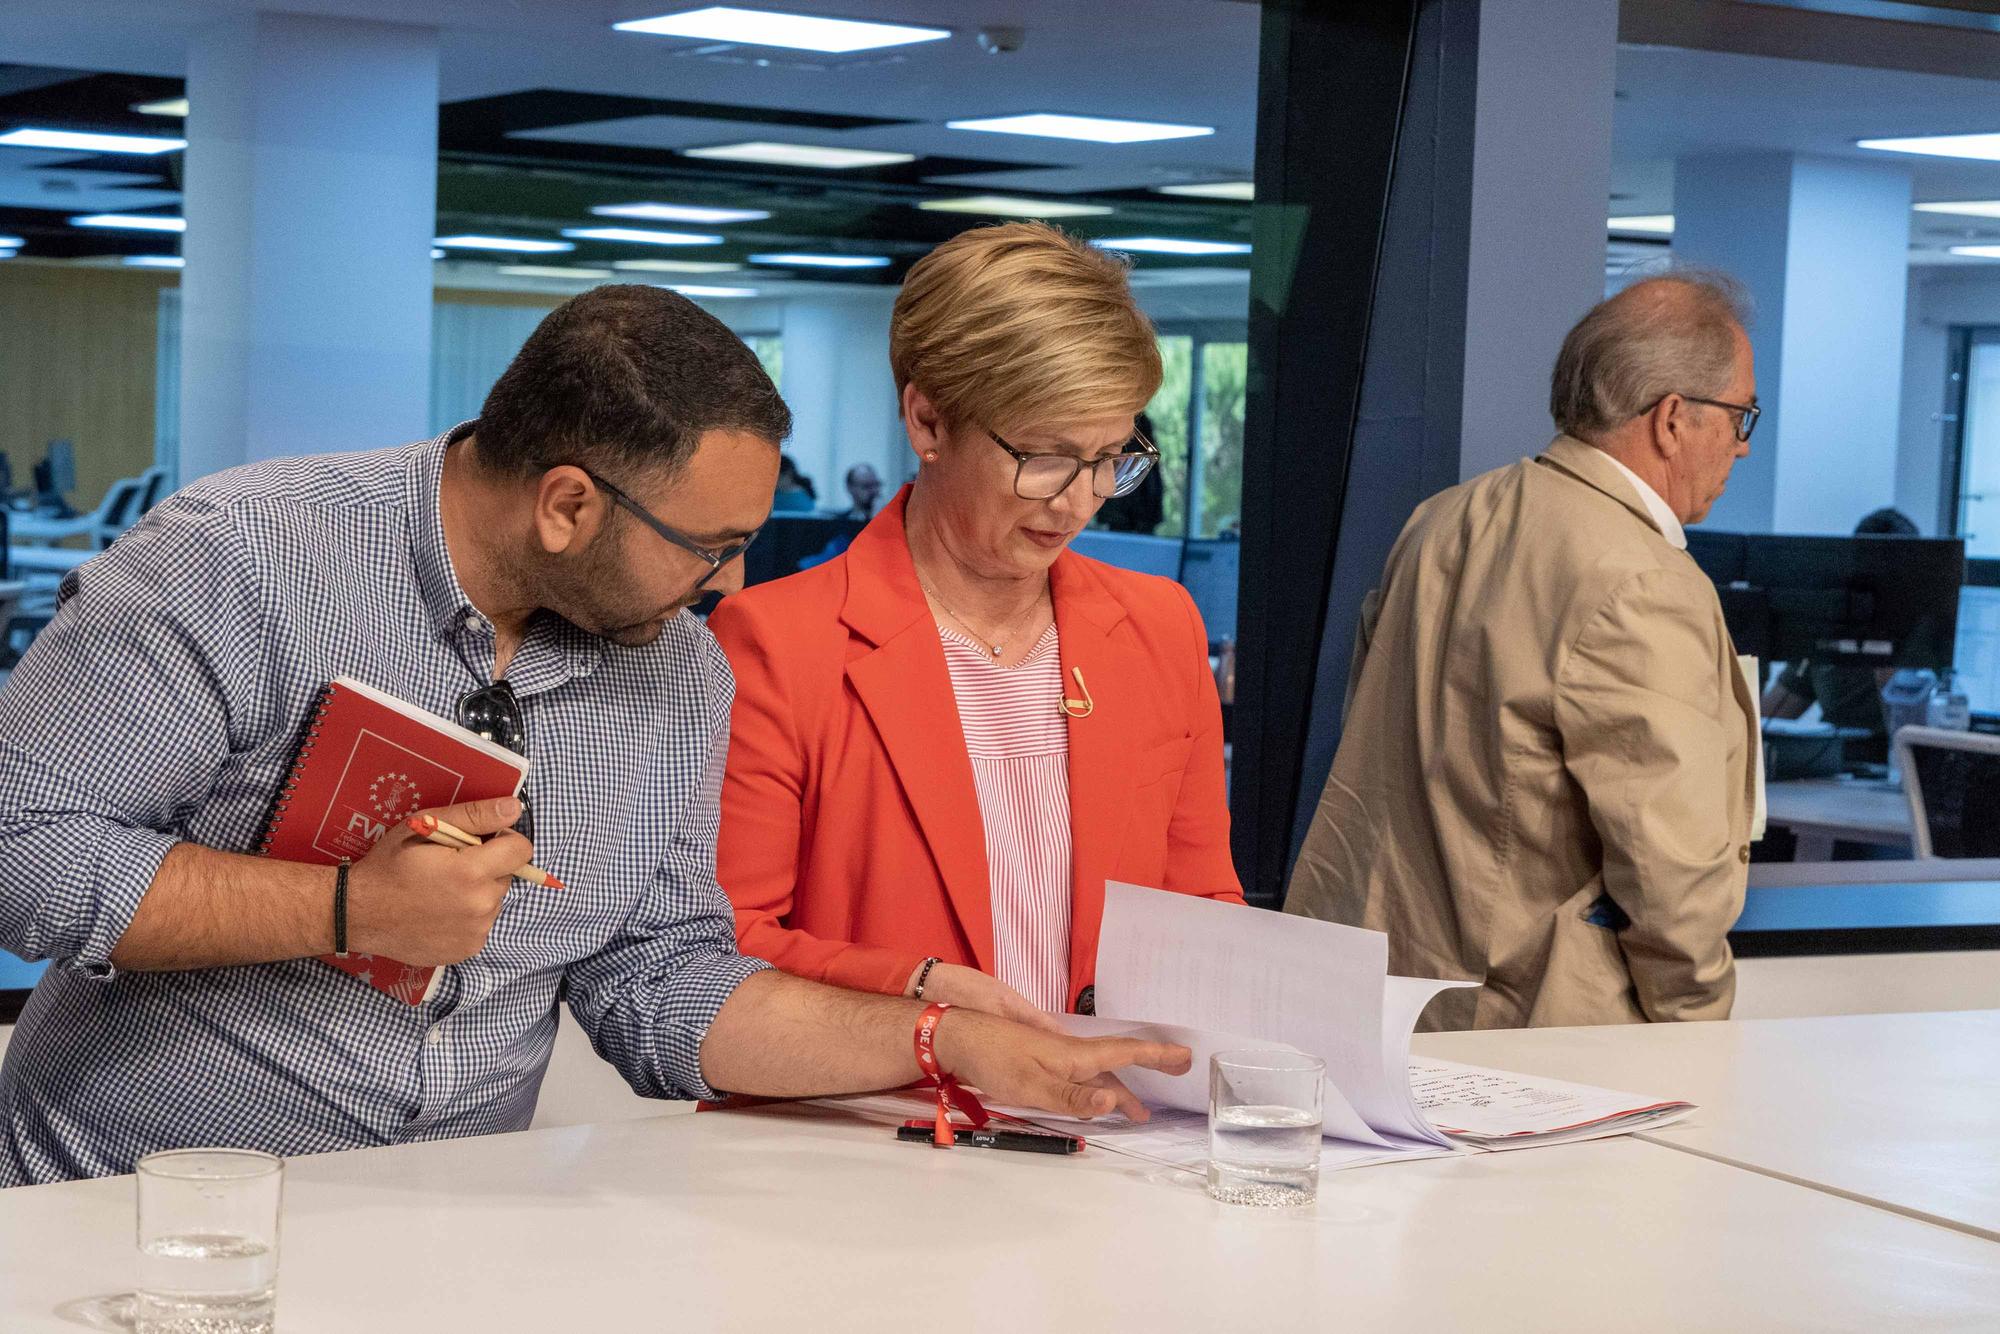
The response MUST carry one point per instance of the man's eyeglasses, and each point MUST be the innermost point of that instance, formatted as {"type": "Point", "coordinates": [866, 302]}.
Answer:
{"type": "Point", "coordinates": [1746, 414]}
{"type": "Point", "coordinates": [717, 557]}
{"type": "Point", "coordinates": [1046, 476]}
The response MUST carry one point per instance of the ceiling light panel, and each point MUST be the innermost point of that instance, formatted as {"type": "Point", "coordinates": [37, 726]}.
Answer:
{"type": "Point", "coordinates": [1095, 129]}
{"type": "Point", "coordinates": [1173, 245]}
{"type": "Point", "coordinates": [515, 245]}
{"type": "Point", "coordinates": [1243, 190]}
{"type": "Point", "coordinates": [640, 236]}
{"type": "Point", "coordinates": [817, 261]}
{"type": "Point", "coordinates": [1014, 206]}
{"type": "Point", "coordinates": [87, 142]}
{"type": "Point", "coordinates": [131, 222]}
{"type": "Point", "coordinates": [1965, 208]}
{"type": "Point", "coordinates": [1649, 224]}
{"type": "Point", "coordinates": [794, 32]}
{"type": "Point", "coordinates": [1984, 147]}
{"type": "Point", "coordinates": [676, 266]}
{"type": "Point", "coordinates": [711, 217]}
{"type": "Point", "coordinates": [771, 154]}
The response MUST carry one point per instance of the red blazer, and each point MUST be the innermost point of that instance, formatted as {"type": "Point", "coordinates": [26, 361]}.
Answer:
{"type": "Point", "coordinates": [851, 841]}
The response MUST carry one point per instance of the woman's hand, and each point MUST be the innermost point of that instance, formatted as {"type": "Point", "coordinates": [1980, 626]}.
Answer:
{"type": "Point", "coordinates": [954, 984]}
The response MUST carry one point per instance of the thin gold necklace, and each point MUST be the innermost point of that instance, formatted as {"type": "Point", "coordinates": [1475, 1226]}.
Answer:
{"type": "Point", "coordinates": [993, 646]}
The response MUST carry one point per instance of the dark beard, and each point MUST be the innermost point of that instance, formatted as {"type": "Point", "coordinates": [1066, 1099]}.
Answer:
{"type": "Point", "coordinates": [585, 592]}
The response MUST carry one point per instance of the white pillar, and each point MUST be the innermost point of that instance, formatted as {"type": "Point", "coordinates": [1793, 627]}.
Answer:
{"type": "Point", "coordinates": [841, 392]}
{"type": "Point", "coordinates": [311, 199]}
{"type": "Point", "coordinates": [1541, 182]}
{"type": "Point", "coordinates": [1823, 246]}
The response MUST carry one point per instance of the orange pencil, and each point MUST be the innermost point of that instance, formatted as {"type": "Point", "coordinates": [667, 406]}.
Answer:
{"type": "Point", "coordinates": [449, 835]}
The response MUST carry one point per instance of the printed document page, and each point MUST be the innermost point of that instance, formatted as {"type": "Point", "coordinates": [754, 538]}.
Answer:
{"type": "Point", "coordinates": [1497, 1109]}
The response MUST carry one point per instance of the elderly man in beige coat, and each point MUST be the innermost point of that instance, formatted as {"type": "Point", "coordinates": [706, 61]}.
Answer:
{"type": "Point", "coordinates": [1545, 782]}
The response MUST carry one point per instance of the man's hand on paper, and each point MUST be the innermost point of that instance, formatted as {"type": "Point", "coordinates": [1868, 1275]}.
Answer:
{"type": "Point", "coordinates": [1022, 1067]}
{"type": "Point", "coordinates": [412, 900]}
{"type": "Point", "coordinates": [955, 984]}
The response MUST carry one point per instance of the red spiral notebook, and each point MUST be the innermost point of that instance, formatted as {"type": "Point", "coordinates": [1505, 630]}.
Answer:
{"type": "Point", "coordinates": [366, 760]}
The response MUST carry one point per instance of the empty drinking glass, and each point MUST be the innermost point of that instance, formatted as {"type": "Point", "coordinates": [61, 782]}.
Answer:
{"type": "Point", "coordinates": [1264, 1110]}
{"type": "Point", "coordinates": [208, 1241]}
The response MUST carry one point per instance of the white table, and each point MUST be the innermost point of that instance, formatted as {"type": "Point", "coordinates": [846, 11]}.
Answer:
{"type": "Point", "coordinates": [1820, 810]}
{"type": "Point", "coordinates": [793, 1218]}
{"type": "Point", "coordinates": [1901, 1110]}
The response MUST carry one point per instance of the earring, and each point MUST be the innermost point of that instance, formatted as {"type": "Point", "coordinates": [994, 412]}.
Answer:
{"type": "Point", "coordinates": [930, 456]}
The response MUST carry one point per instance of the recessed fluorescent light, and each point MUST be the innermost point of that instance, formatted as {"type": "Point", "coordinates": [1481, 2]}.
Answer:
{"type": "Point", "coordinates": [1977, 251]}
{"type": "Point", "coordinates": [154, 261]}
{"type": "Point", "coordinates": [1652, 224]}
{"type": "Point", "coordinates": [1985, 147]}
{"type": "Point", "coordinates": [1097, 129]}
{"type": "Point", "coordinates": [1174, 245]}
{"type": "Point", "coordinates": [798, 32]}
{"type": "Point", "coordinates": [11, 243]}
{"type": "Point", "coordinates": [824, 261]}
{"type": "Point", "coordinates": [86, 142]}
{"type": "Point", "coordinates": [166, 106]}
{"type": "Point", "coordinates": [1244, 190]}
{"type": "Point", "coordinates": [800, 155]}
{"type": "Point", "coordinates": [518, 245]}
{"type": "Point", "coordinates": [640, 236]}
{"type": "Point", "coordinates": [681, 213]}
{"type": "Point", "coordinates": [552, 271]}
{"type": "Point", "coordinates": [131, 222]}
{"type": "Point", "coordinates": [8, 254]}
{"type": "Point", "coordinates": [1012, 206]}
{"type": "Point", "coordinates": [697, 289]}
{"type": "Point", "coordinates": [676, 265]}
{"type": "Point", "coordinates": [1970, 208]}
{"type": "Point", "coordinates": [436, 253]}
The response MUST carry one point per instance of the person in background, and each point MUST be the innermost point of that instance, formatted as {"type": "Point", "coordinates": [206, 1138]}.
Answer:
{"type": "Point", "coordinates": [529, 574]}
{"type": "Point", "coordinates": [1143, 510]}
{"type": "Point", "coordinates": [1848, 696]}
{"type": "Point", "coordinates": [864, 491]}
{"type": "Point", "coordinates": [1545, 780]}
{"type": "Point", "coordinates": [946, 740]}
{"type": "Point", "coordinates": [795, 494]}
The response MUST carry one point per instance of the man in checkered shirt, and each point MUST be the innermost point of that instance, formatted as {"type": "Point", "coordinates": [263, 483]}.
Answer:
{"type": "Point", "coordinates": [617, 469]}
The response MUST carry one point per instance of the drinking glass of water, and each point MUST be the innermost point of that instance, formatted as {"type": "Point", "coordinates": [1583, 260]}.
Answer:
{"type": "Point", "coordinates": [1264, 1110]}
{"type": "Point", "coordinates": [208, 1241]}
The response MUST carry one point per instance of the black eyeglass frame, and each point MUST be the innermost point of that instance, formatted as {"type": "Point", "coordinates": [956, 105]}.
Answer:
{"type": "Point", "coordinates": [717, 557]}
{"type": "Point", "coordinates": [1148, 451]}
{"type": "Point", "coordinates": [1746, 421]}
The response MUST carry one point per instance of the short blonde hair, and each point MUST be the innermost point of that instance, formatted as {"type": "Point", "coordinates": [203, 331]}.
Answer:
{"type": "Point", "coordinates": [1022, 324]}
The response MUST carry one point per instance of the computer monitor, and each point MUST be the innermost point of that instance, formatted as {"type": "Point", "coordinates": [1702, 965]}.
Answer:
{"type": "Point", "coordinates": [1209, 569]}
{"type": "Point", "coordinates": [1867, 600]}
{"type": "Point", "coordinates": [1976, 663]}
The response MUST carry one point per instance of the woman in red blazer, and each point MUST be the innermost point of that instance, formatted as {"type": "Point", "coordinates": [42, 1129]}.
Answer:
{"type": "Point", "coordinates": [947, 739]}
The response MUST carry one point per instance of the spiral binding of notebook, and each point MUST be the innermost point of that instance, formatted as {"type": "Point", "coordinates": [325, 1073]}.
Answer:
{"type": "Point", "coordinates": [281, 800]}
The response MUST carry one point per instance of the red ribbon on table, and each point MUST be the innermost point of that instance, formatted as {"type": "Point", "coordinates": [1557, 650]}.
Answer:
{"type": "Point", "coordinates": [951, 1095]}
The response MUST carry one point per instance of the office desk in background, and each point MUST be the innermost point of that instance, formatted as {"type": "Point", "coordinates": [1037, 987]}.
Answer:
{"type": "Point", "coordinates": [1821, 810]}
{"type": "Point", "coordinates": [792, 1216]}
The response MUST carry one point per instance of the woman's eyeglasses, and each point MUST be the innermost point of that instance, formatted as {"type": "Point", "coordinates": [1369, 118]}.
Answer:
{"type": "Point", "coordinates": [1046, 476]}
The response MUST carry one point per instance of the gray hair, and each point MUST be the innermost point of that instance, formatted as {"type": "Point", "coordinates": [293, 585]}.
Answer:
{"type": "Point", "coordinates": [1669, 334]}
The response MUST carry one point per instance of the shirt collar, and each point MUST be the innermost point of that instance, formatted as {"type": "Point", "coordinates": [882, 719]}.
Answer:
{"type": "Point", "coordinates": [1664, 518]}
{"type": "Point", "coordinates": [444, 597]}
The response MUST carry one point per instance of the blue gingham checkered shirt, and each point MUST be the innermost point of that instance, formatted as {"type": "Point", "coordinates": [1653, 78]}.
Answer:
{"type": "Point", "coordinates": [162, 704]}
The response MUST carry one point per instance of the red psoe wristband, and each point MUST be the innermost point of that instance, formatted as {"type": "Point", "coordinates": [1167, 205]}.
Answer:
{"type": "Point", "coordinates": [950, 1093]}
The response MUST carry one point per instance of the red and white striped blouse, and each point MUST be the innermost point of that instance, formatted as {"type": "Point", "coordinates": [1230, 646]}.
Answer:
{"type": "Point", "coordinates": [1019, 743]}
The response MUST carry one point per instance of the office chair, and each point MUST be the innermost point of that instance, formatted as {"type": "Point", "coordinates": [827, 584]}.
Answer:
{"type": "Point", "coordinates": [1952, 781]}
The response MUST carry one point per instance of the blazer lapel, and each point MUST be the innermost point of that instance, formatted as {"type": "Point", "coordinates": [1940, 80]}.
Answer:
{"type": "Point", "coordinates": [1086, 615]}
{"type": "Point", "coordinates": [905, 687]}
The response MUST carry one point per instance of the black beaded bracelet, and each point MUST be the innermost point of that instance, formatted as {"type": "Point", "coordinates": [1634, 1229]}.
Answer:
{"type": "Point", "coordinates": [925, 976]}
{"type": "Point", "coordinates": [340, 909]}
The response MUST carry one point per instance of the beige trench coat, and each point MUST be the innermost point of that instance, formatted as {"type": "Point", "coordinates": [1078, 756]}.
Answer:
{"type": "Point", "coordinates": [1545, 782]}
